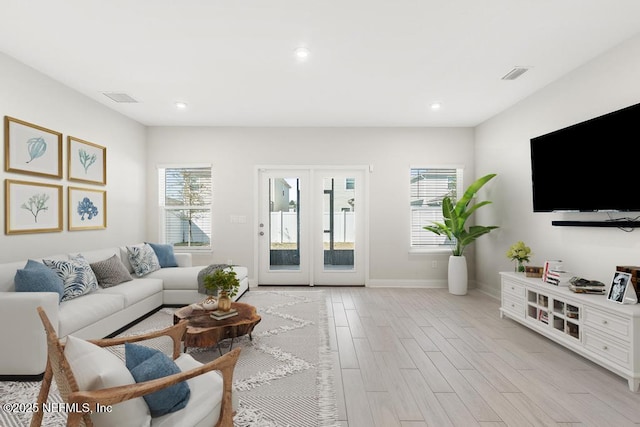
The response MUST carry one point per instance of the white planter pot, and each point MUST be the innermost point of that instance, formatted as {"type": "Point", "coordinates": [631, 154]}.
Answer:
{"type": "Point", "coordinates": [457, 277]}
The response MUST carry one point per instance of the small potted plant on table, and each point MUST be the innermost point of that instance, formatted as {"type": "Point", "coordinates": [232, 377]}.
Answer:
{"type": "Point", "coordinates": [225, 283]}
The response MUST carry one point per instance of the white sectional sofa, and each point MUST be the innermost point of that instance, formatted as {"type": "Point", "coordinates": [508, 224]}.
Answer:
{"type": "Point", "coordinates": [91, 316]}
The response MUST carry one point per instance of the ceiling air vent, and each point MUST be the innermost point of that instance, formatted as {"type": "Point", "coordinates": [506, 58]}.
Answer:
{"type": "Point", "coordinates": [515, 73]}
{"type": "Point", "coordinates": [119, 97]}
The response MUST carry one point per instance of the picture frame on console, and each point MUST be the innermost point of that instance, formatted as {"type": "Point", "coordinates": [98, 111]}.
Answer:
{"type": "Point", "coordinates": [32, 207]}
{"type": "Point", "coordinates": [87, 209]}
{"type": "Point", "coordinates": [87, 162]}
{"type": "Point", "coordinates": [32, 149]}
{"type": "Point", "coordinates": [619, 286]}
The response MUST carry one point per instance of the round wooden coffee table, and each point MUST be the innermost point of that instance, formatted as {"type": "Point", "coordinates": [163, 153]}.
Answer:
{"type": "Point", "coordinates": [204, 331]}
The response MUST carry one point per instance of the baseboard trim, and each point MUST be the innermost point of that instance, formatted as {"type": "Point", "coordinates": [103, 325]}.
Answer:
{"type": "Point", "coordinates": [395, 283]}
{"type": "Point", "coordinates": [489, 291]}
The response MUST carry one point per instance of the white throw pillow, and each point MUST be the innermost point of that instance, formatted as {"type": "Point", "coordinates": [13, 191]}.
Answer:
{"type": "Point", "coordinates": [96, 368]}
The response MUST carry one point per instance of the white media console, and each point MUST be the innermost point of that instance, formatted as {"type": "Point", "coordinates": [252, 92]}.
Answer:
{"type": "Point", "coordinates": [603, 331]}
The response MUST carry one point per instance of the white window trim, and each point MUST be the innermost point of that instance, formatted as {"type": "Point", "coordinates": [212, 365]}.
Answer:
{"type": "Point", "coordinates": [162, 208]}
{"type": "Point", "coordinates": [460, 188]}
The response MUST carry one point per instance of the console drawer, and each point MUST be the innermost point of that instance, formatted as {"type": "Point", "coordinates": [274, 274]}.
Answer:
{"type": "Point", "coordinates": [608, 323]}
{"type": "Point", "coordinates": [604, 346]}
{"type": "Point", "coordinates": [511, 288]}
{"type": "Point", "coordinates": [514, 306]}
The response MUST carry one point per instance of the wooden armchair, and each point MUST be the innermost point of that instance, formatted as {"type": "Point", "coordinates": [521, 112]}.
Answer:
{"type": "Point", "coordinates": [59, 368]}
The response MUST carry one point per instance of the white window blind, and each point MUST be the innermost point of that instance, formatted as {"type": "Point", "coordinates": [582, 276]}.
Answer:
{"type": "Point", "coordinates": [185, 201]}
{"type": "Point", "coordinates": [428, 187]}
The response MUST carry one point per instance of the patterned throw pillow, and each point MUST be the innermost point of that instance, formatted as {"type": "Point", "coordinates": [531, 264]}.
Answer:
{"type": "Point", "coordinates": [143, 259]}
{"type": "Point", "coordinates": [76, 274]}
{"type": "Point", "coordinates": [110, 272]}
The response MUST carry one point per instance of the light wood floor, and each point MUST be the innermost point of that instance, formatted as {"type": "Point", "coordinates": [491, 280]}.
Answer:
{"type": "Point", "coordinates": [423, 357]}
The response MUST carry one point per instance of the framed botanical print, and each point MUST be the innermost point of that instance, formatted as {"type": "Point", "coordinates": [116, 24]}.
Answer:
{"type": "Point", "coordinates": [32, 149]}
{"type": "Point", "coordinates": [32, 207]}
{"type": "Point", "coordinates": [87, 209]}
{"type": "Point", "coordinates": [87, 161]}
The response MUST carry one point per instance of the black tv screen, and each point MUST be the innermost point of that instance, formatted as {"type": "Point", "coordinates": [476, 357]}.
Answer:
{"type": "Point", "coordinates": [591, 166]}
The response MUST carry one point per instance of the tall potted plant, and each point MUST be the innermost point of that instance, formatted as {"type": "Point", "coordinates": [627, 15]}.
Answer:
{"type": "Point", "coordinates": [455, 216]}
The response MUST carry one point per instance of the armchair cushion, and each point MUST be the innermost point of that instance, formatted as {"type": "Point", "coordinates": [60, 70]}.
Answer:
{"type": "Point", "coordinates": [149, 364]}
{"type": "Point", "coordinates": [37, 277]}
{"type": "Point", "coordinates": [96, 368]}
{"type": "Point", "coordinates": [205, 403]}
{"type": "Point", "coordinates": [165, 255]}
{"type": "Point", "coordinates": [143, 259]}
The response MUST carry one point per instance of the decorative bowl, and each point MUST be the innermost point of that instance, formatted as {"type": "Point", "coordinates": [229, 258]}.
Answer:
{"type": "Point", "coordinates": [210, 304]}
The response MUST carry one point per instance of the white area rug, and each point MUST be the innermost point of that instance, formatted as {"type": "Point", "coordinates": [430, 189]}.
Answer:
{"type": "Point", "coordinates": [283, 377]}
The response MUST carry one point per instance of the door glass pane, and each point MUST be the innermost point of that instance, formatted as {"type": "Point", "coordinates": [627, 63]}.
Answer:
{"type": "Point", "coordinates": [339, 223]}
{"type": "Point", "coordinates": [284, 224]}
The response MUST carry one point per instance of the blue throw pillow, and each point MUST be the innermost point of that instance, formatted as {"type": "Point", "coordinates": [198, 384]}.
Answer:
{"type": "Point", "coordinates": [37, 277]}
{"type": "Point", "coordinates": [146, 364]}
{"type": "Point", "coordinates": [165, 255]}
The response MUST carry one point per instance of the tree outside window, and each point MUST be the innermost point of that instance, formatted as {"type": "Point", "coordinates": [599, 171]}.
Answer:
{"type": "Point", "coordinates": [185, 196]}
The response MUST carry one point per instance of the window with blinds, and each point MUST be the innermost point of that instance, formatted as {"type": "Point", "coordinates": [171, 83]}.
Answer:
{"type": "Point", "coordinates": [185, 201]}
{"type": "Point", "coordinates": [428, 187]}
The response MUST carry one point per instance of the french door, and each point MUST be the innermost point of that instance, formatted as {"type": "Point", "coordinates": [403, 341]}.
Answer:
{"type": "Point", "coordinates": [311, 226]}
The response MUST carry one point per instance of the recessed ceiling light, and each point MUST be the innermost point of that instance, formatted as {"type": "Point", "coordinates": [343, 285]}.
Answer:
{"type": "Point", "coordinates": [181, 105]}
{"type": "Point", "coordinates": [302, 53]}
{"type": "Point", "coordinates": [436, 106]}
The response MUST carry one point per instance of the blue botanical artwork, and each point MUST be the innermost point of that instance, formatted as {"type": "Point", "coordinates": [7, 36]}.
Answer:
{"type": "Point", "coordinates": [86, 207]}
{"type": "Point", "coordinates": [86, 159]}
{"type": "Point", "coordinates": [36, 204]}
{"type": "Point", "coordinates": [36, 147]}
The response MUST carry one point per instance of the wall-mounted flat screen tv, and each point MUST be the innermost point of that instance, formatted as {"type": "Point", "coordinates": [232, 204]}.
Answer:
{"type": "Point", "coordinates": [590, 166]}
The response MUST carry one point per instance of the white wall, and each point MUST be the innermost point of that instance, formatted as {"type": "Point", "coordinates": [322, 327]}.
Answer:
{"type": "Point", "coordinates": [235, 153]}
{"type": "Point", "coordinates": [30, 96]}
{"type": "Point", "coordinates": [501, 145]}
{"type": "Point", "coordinates": [606, 84]}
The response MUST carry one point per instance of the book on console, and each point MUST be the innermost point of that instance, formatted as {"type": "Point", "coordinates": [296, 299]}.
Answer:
{"type": "Point", "coordinates": [580, 282]}
{"type": "Point", "coordinates": [587, 289]}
